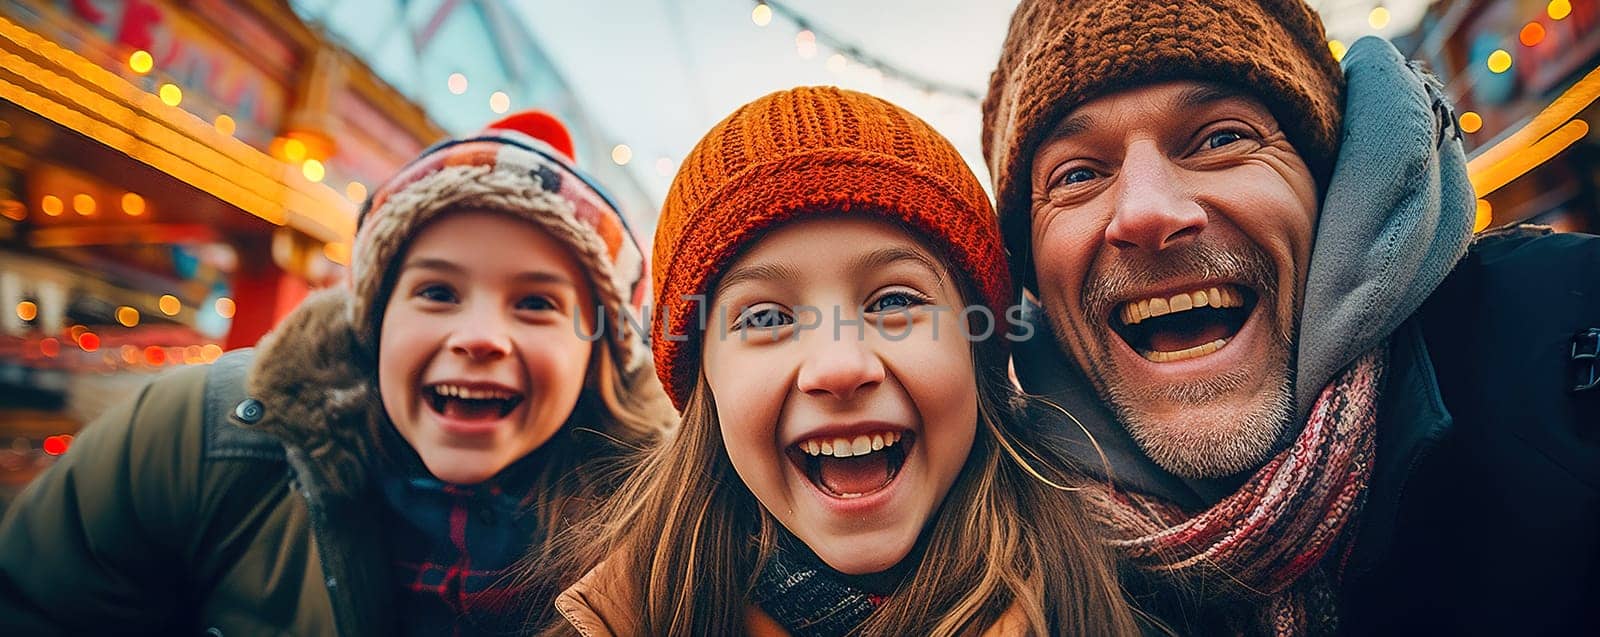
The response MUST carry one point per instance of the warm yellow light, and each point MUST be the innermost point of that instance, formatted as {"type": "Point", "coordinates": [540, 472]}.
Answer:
{"type": "Point", "coordinates": [621, 154]}
{"type": "Point", "coordinates": [210, 352]}
{"type": "Point", "coordinates": [225, 307]}
{"type": "Point", "coordinates": [356, 191]}
{"type": "Point", "coordinates": [51, 205]}
{"type": "Point", "coordinates": [1378, 18]}
{"type": "Point", "coordinates": [499, 102]}
{"type": "Point", "coordinates": [1499, 61]}
{"type": "Point", "coordinates": [141, 62]}
{"type": "Point", "coordinates": [837, 63]}
{"type": "Point", "coordinates": [83, 204]}
{"type": "Point", "coordinates": [226, 125]}
{"type": "Point", "coordinates": [1471, 122]}
{"type": "Point", "coordinates": [313, 170]}
{"type": "Point", "coordinates": [1488, 180]}
{"type": "Point", "coordinates": [169, 305]}
{"type": "Point", "coordinates": [294, 150]}
{"type": "Point", "coordinates": [27, 311]}
{"type": "Point", "coordinates": [132, 204]}
{"type": "Point", "coordinates": [1558, 9]}
{"type": "Point", "coordinates": [762, 15]}
{"type": "Point", "coordinates": [1484, 216]}
{"type": "Point", "coordinates": [1337, 49]}
{"type": "Point", "coordinates": [127, 316]}
{"type": "Point", "coordinates": [171, 95]}
{"type": "Point", "coordinates": [457, 83]}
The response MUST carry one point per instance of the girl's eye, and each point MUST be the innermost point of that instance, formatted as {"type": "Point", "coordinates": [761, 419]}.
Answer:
{"type": "Point", "coordinates": [1222, 138]}
{"type": "Point", "coordinates": [437, 293]}
{"type": "Point", "coordinates": [764, 316]}
{"type": "Point", "coordinates": [536, 303]}
{"type": "Point", "coordinates": [896, 301]}
{"type": "Point", "coordinates": [1077, 175]}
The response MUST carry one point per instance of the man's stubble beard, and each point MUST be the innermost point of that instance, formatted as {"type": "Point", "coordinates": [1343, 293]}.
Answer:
{"type": "Point", "coordinates": [1182, 448]}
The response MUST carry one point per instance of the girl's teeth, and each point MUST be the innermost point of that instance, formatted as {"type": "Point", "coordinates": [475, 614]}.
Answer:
{"type": "Point", "coordinates": [850, 447]}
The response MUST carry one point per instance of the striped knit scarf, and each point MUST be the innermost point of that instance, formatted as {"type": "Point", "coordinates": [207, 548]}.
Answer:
{"type": "Point", "coordinates": [1281, 539]}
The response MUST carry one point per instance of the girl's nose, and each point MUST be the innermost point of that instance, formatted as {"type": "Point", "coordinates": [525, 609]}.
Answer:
{"type": "Point", "coordinates": [839, 367]}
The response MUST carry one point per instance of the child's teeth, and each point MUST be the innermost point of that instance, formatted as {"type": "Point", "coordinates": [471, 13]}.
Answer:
{"type": "Point", "coordinates": [877, 442]}
{"type": "Point", "coordinates": [861, 446]}
{"type": "Point", "coordinates": [850, 447]}
{"type": "Point", "coordinates": [842, 448]}
{"type": "Point", "coordinates": [827, 447]}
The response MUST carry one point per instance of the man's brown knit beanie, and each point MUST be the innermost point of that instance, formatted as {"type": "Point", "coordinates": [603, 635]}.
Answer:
{"type": "Point", "coordinates": [1059, 54]}
{"type": "Point", "coordinates": [800, 152]}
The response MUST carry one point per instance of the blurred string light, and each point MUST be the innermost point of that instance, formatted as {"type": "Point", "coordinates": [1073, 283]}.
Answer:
{"type": "Point", "coordinates": [877, 67]}
{"type": "Point", "coordinates": [1337, 48]}
{"type": "Point", "coordinates": [1470, 122]}
{"type": "Point", "coordinates": [1378, 18]}
{"type": "Point", "coordinates": [313, 170]}
{"type": "Point", "coordinates": [805, 43]}
{"type": "Point", "coordinates": [1499, 61]}
{"type": "Point", "coordinates": [132, 204]}
{"type": "Point", "coordinates": [499, 102]}
{"type": "Point", "coordinates": [761, 15]}
{"type": "Point", "coordinates": [128, 316]}
{"type": "Point", "coordinates": [169, 305]}
{"type": "Point", "coordinates": [171, 95]}
{"type": "Point", "coordinates": [1532, 34]}
{"type": "Point", "coordinates": [225, 307]}
{"type": "Point", "coordinates": [621, 154]}
{"type": "Point", "coordinates": [51, 205]}
{"type": "Point", "coordinates": [1543, 137]}
{"type": "Point", "coordinates": [27, 310]}
{"type": "Point", "coordinates": [225, 125]}
{"type": "Point", "coordinates": [356, 191]}
{"type": "Point", "coordinates": [141, 62]}
{"type": "Point", "coordinates": [1558, 9]}
{"type": "Point", "coordinates": [83, 204]}
{"type": "Point", "coordinates": [457, 83]}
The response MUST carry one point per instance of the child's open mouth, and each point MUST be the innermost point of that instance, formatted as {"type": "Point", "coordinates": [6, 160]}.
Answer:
{"type": "Point", "coordinates": [1186, 325]}
{"type": "Point", "coordinates": [853, 466]}
{"type": "Point", "coordinates": [462, 402]}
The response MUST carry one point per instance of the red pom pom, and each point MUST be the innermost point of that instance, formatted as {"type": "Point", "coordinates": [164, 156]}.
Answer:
{"type": "Point", "coordinates": [541, 126]}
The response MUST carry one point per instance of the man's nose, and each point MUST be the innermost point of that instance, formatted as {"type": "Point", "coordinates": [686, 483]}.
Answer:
{"type": "Point", "coordinates": [839, 367]}
{"type": "Point", "coordinates": [1153, 210]}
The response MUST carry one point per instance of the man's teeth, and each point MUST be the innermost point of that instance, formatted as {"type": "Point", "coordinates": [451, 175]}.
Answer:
{"type": "Point", "coordinates": [457, 391]}
{"type": "Point", "coordinates": [1185, 354]}
{"type": "Point", "coordinates": [849, 447]}
{"type": "Point", "coordinates": [1134, 312]}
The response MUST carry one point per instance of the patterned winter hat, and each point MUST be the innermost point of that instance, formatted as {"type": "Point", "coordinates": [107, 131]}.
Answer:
{"type": "Point", "coordinates": [522, 166]}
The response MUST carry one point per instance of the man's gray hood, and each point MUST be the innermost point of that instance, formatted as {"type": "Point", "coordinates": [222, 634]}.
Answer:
{"type": "Point", "coordinates": [1397, 216]}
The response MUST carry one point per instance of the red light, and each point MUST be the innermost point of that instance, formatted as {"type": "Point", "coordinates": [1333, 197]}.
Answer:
{"type": "Point", "coordinates": [155, 355]}
{"type": "Point", "coordinates": [56, 445]}
{"type": "Point", "coordinates": [89, 342]}
{"type": "Point", "coordinates": [50, 347]}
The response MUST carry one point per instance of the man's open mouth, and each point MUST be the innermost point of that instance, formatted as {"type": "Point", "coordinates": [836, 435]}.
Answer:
{"type": "Point", "coordinates": [466, 403]}
{"type": "Point", "coordinates": [1185, 325]}
{"type": "Point", "coordinates": [852, 466]}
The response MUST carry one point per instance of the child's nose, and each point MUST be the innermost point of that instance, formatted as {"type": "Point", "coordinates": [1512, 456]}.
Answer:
{"type": "Point", "coordinates": [840, 368]}
{"type": "Point", "coordinates": [480, 340]}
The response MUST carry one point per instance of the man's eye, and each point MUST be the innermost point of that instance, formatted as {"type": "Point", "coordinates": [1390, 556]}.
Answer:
{"type": "Point", "coordinates": [437, 294]}
{"type": "Point", "coordinates": [763, 317]}
{"type": "Point", "coordinates": [1222, 138]}
{"type": "Point", "coordinates": [895, 301]}
{"type": "Point", "coordinates": [536, 303]}
{"type": "Point", "coordinates": [1077, 175]}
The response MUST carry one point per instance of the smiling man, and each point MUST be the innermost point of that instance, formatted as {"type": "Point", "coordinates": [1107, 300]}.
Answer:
{"type": "Point", "coordinates": [1306, 411]}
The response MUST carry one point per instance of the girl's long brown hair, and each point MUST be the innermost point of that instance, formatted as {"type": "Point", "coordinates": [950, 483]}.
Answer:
{"type": "Point", "coordinates": [688, 538]}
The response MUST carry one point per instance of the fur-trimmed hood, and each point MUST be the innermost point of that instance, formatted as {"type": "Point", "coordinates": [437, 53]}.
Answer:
{"type": "Point", "coordinates": [318, 387]}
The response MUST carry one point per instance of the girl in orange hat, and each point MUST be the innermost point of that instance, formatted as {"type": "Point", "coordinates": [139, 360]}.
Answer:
{"type": "Point", "coordinates": [833, 302]}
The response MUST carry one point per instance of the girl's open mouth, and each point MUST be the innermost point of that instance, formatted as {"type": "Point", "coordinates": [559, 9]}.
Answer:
{"type": "Point", "coordinates": [1185, 325]}
{"type": "Point", "coordinates": [468, 404]}
{"type": "Point", "coordinates": [854, 466]}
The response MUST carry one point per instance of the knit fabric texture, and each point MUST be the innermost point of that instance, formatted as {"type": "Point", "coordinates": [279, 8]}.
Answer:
{"type": "Point", "coordinates": [508, 170]}
{"type": "Point", "coordinates": [809, 151]}
{"type": "Point", "coordinates": [1280, 540]}
{"type": "Point", "coordinates": [1059, 54]}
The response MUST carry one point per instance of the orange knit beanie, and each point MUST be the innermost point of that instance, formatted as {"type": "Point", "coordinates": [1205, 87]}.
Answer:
{"type": "Point", "coordinates": [803, 151]}
{"type": "Point", "coordinates": [1059, 54]}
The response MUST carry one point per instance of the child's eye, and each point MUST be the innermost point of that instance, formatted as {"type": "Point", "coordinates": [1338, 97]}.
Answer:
{"type": "Point", "coordinates": [763, 316]}
{"type": "Point", "coordinates": [899, 299]}
{"type": "Point", "coordinates": [536, 303]}
{"type": "Point", "coordinates": [437, 293]}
